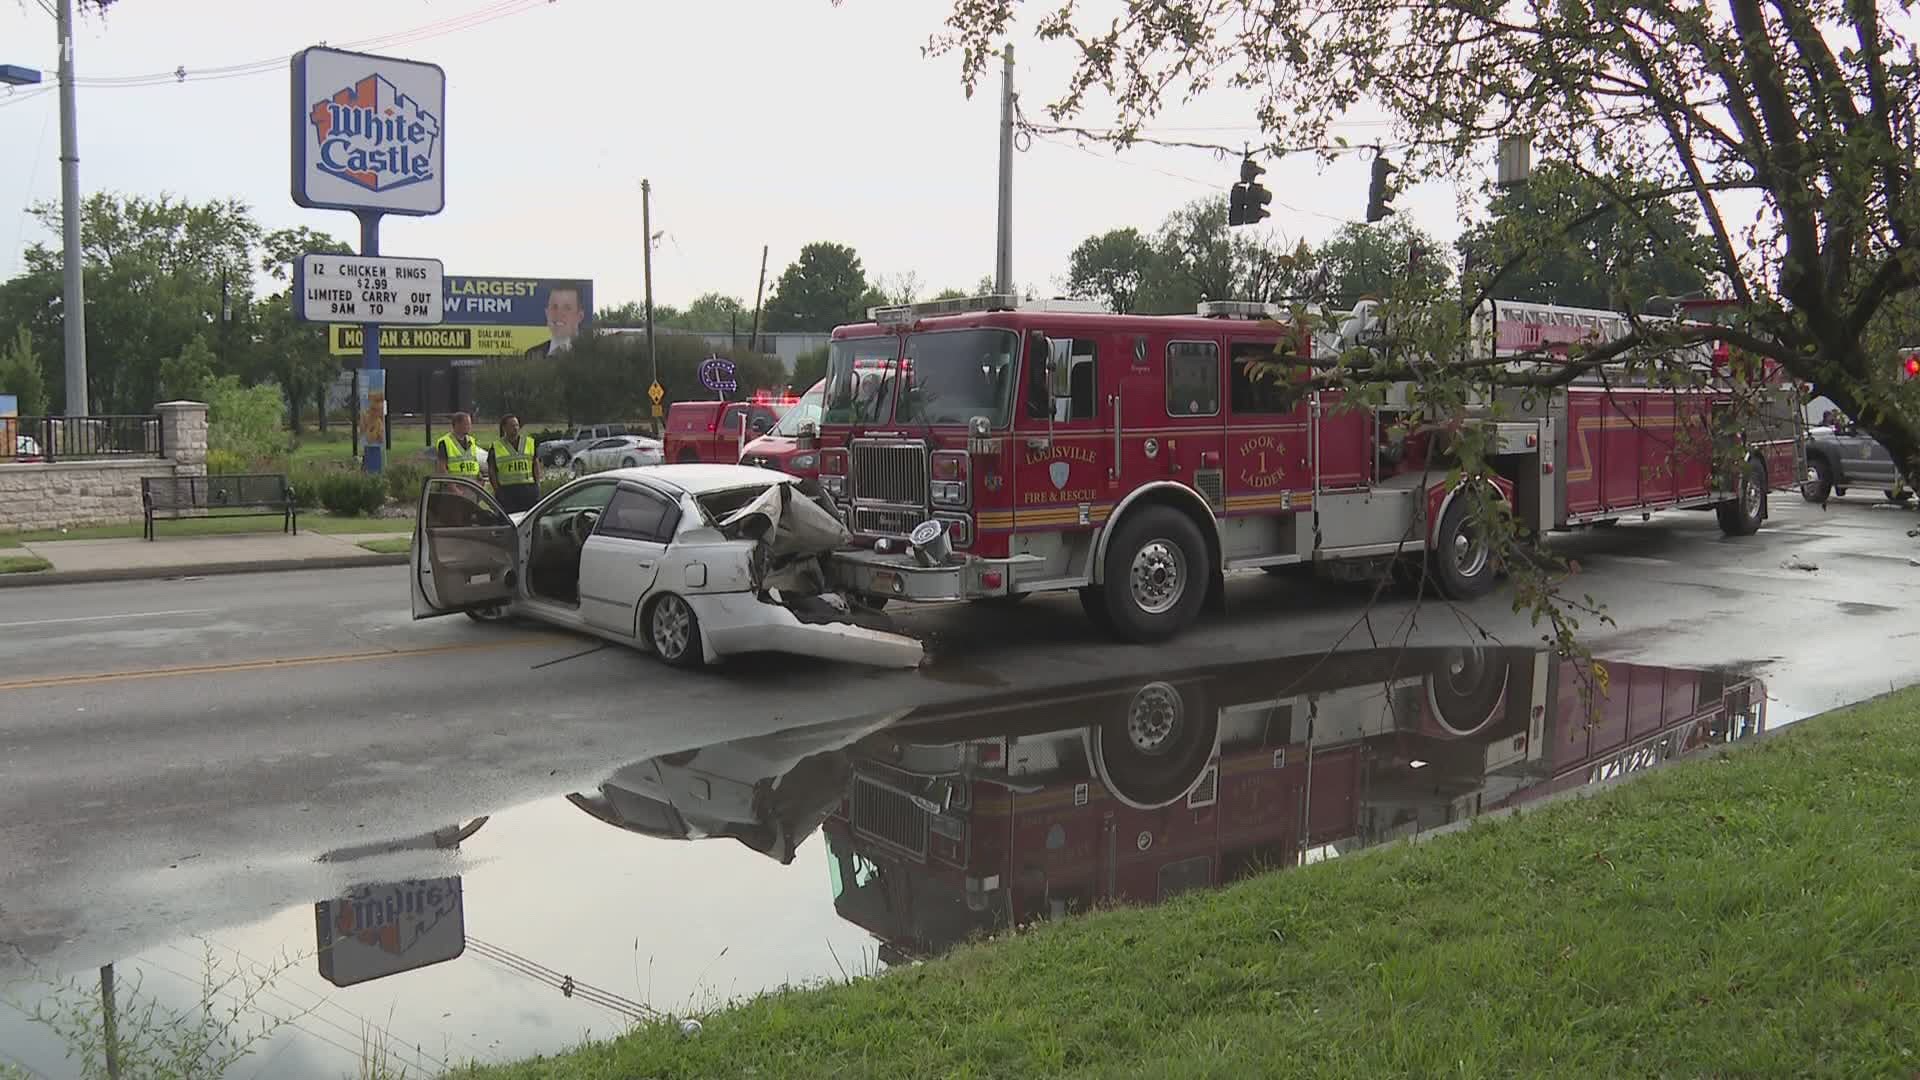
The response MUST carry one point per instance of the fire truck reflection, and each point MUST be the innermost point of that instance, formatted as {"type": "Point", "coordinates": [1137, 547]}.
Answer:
{"type": "Point", "coordinates": [1041, 808]}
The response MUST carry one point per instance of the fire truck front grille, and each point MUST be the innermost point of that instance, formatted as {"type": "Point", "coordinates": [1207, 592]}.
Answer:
{"type": "Point", "coordinates": [881, 521]}
{"type": "Point", "coordinates": [883, 814]}
{"type": "Point", "coordinates": [890, 472]}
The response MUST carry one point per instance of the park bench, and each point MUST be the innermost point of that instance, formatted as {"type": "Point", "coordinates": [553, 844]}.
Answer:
{"type": "Point", "coordinates": [177, 497]}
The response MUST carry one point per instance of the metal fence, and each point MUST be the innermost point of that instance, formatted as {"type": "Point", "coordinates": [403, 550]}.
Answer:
{"type": "Point", "coordinates": [78, 438]}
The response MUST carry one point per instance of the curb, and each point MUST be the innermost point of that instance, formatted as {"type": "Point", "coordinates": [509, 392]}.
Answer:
{"type": "Point", "coordinates": [151, 573]}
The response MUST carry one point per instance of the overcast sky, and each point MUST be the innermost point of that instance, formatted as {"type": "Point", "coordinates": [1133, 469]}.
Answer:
{"type": "Point", "coordinates": [773, 122]}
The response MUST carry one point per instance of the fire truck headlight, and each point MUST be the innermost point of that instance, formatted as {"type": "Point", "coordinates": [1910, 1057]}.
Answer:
{"type": "Point", "coordinates": [949, 493]}
{"type": "Point", "coordinates": [834, 486]}
{"type": "Point", "coordinates": [803, 461]}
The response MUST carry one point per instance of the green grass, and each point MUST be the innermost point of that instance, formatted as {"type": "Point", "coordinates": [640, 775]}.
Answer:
{"type": "Point", "coordinates": [396, 546]}
{"type": "Point", "coordinates": [216, 525]}
{"type": "Point", "coordinates": [22, 564]}
{"type": "Point", "coordinates": [1756, 915]}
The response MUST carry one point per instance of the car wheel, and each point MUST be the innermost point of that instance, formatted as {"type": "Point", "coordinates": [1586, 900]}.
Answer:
{"type": "Point", "coordinates": [1742, 515]}
{"type": "Point", "coordinates": [1819, 482]}
{"type": "Point", "coordinates": [1462, 560]}
{"type": "Point", "coordinates": [579, 467]}
{"type": "Point", "coordinates": [1156, 751]}
{"type": "Point", "coordinates": [558, 459]}
{"type": "Point", "coordinates": [673, 632]}
{"type": "Point", "coordinates": [1156, 575]}
{"type": "Point", "coordinates": [629, 463]}
{"type": "Point", "coordinates": [494, 614]}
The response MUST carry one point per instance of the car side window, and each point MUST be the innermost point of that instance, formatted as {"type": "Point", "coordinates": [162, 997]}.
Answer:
{"type": "Point", "coordinates": [635, 514]}
{"type": "Point", "coordinates": [584, 497]}
{"type": "Point", "coordinates": [730, 422]}
{"type": "Point", "coordinates": [1193, 378]}
{"type": "Point", "coordinates": [608, 444]}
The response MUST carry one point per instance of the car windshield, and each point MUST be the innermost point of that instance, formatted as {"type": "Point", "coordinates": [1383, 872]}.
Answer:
{"type": "Point", "coordinates": [806, 410]}
{"type": "Point", "coordinates": [950, 377]}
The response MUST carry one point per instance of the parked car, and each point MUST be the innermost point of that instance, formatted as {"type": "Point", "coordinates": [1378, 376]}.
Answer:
{"type": "Point", "coordinates": [25, 449]}
{"type": "Point", "coordinates": [556, 453]}
{"type": "Point", "coordinates": [693, 563]}
{"type": "Point", "coordinates": [780, 448]}
{"type": "Point", "coordinates": [710, 430]}
{"type": "Point", "coordinates": [618, 452]}
{"type": "Point", "coordinates": [1841, 456]}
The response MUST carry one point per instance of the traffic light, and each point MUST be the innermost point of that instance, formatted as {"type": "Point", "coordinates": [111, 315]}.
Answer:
{"type": "Point", "coordinates": [1377, 194]}
{"type": "Point", "coordinates": [1910, 365]}
{"type": "Point", "coordinates": [1247, 203]}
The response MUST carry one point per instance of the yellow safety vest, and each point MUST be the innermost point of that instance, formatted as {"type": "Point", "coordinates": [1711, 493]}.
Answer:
{"type": "Point", "coordinates": [514, 464]}
{"type": "Point", "coordinates": [461, 462]}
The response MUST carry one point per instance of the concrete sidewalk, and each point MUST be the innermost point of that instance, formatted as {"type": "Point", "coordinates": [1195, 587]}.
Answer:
{"type": "Point", "coordinates": [130, 559]}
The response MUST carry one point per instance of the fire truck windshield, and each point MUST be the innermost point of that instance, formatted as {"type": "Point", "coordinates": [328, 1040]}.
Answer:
{"type": "Point", "coordinates": [947, 377]}
{"type": "Point", "coordinates": [805, 411]}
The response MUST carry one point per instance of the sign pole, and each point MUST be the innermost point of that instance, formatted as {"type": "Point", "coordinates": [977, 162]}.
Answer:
{"type": "Point", "coordinates": [375, 450]}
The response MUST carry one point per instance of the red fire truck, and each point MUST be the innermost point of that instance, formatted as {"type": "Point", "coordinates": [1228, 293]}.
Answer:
{"type": "Point", "coordinates": [985, 449]}
{"type": "Point", "coordinates": [1003, 814]}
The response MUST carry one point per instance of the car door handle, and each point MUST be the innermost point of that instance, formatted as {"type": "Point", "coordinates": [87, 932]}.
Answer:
{"type": "Point", "coordinates": [646, 564]}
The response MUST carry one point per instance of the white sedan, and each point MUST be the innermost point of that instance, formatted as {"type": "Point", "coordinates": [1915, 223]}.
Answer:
{"type": "Point", "coordinates": [691, 562]}
{"type": "Point", "coordinates": [616, 452]}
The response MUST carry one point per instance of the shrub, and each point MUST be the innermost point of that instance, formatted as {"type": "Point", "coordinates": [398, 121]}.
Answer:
{"type": "Point", "coordinates": [352, 493]}
{"type": "Point", "coordinates": [553, 482]}
{"type": "Point", "coordinates": [306, 483]}
{"type": "Point", "coordinates": [403, 480]}
{"type": "Point", "coordinates": [244, 419]}
{"type": "Point", "coordinates": [220, 462]}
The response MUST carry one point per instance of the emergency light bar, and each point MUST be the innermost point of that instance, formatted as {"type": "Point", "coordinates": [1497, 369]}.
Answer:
{"type": "Point", "coordinates": [908, 314]}
{"type": "Point", "coordinates": [1238, 309]}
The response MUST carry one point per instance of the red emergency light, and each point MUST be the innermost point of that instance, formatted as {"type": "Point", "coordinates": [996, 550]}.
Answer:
{"type": "Point", "coordinates": [1910, 367]}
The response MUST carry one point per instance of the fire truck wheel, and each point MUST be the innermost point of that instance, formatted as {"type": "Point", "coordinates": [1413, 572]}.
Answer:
{"type": "Point", "coordinates": [1153, 753]}
{"type": "Point", "coordinates": [1093, 601]}
{"type": "Point", "coordinates": [1466, 688]}
{"type": "Point", "coordinates": [1819, 481]}
{"type": "Point", "coordinates": [1741, 516]}
{"type": "Point", "coordinates": [1461, 560]}
{"type": "Point", "coordinates": [1156, 575]}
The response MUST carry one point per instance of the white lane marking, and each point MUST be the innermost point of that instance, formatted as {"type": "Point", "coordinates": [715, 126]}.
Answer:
{"type": "Point", "coordinates": [103, 618]}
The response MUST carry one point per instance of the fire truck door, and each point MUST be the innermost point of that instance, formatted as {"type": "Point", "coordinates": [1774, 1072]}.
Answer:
{"type": "Point", "coordinates": [1267, 434]}
{"type": "Point", "coordinates": [1063, 477]}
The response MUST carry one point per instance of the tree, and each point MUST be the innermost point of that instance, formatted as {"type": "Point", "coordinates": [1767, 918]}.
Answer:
{"type": "Point", "coordinates": [291, 352]}
{"type": "Point", "coordinates": [1369, 260]}
{"type": "Point", "coordinates": [1659, 249]}
{"type": "Point", "coordinates": [825, 287]}
{"type": "Point", "coordinates": [1810, 109]}
{"type": "Point", "coordinates": [21, 374]}
{"type": "Point", "coordinates": [810, 367]}
{"type": "Point", "coordinates": [709, 313]}
{"type": "Point", "coordinates": [1113, 266]}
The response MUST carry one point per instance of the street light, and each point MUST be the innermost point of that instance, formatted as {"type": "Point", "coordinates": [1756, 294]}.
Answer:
{"type": "Point", "coordinates": [15, 75]}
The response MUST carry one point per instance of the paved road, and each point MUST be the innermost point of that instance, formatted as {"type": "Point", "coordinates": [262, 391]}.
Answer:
{"type": "Point", "coordinates": [155, 735]}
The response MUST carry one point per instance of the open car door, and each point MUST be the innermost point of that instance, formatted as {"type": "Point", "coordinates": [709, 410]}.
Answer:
{"type": "Point", "coordinates": [466, 550]}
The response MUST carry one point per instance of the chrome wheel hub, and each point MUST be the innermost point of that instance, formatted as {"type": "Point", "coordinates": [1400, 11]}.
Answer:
{"type": "Point", "coordinates": [672, 628]}
{"type": "Point", "coordinates": [1155, 718]}
{"type": "Point", "coordinates": [1158, 577]}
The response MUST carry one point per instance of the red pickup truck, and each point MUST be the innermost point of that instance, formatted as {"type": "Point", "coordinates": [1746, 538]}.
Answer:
{"type": "Point", "coordinates": [710, 430]}
{"type": "Point", "coordinates": [780, 448]}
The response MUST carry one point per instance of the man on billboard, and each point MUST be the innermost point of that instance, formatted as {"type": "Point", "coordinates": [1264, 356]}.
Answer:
{"type": "Point", "coordinates": [565, 310]}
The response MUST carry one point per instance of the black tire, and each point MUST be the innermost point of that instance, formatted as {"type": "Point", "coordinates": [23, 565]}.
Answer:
{"type": "Point", "coordinates": [1607, 523]}
{"type": "Point", "coordinates": [1093, 601]}
{"type": "Point", "coordinates": [577, 467]}
{"type": "Point", "coordinates": [1460, 564]}
{"type": "Point", "coordinates": [1900, 497]}
{"type": "Point", "coordinates": [1840, 491]}
{"type": "Point", "coordinates": [496, 614]}
{"type": "Point", "coordinates": [673, 632]}
{"type": "Point", "coordinates": [1154, 751]}
{"type": "Point", "coordinates": [870, 601]}
{"type": "Point", "coordinates": [629, 463]}
{"type": "Point", "coordinates": [1819, 482]}
{"type": "Point", "coordinates": [1157, 575]}
{"type": "Point", "coordinates": [558, 459]}
{"type": "Point", "coordinates": [1466, 689]}
{"type": "Point", "coordinates": [1742, 516]}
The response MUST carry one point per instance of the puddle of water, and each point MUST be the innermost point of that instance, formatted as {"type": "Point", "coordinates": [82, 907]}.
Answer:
{"type": "Point", "coordinates": [822, 853]}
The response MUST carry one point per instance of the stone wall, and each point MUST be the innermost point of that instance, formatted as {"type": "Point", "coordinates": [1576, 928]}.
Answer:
{"type": "Point", "coordinates": [48, 496]}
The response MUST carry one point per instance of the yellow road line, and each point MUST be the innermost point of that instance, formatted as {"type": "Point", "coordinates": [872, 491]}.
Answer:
{"type": "Point", "coordinates": [46, 681]}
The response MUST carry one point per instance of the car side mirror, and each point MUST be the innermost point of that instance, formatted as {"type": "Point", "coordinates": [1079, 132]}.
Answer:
{"type": "Point", "coordinates": [809, 435]}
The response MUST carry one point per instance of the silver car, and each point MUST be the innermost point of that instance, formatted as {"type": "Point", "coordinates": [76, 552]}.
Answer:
{"type": "Point", "coordinates": [616, 452]}
{"type": "Point", "coordinates": [691, 562]}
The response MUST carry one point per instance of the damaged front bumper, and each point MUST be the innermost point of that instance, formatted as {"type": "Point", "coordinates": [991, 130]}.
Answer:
{"type": "Point", "coordinates": [901, 577]}
{"type": "Point", "coordinates": [733, 623]}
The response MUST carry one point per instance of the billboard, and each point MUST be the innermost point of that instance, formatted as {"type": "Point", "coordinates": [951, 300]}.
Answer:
{"type": "Point", "coordinates": [368, 133]}
{"type": "Point", "coordinates": [379, 930]}
{"type": "Point", "coordinates": [488, 316]}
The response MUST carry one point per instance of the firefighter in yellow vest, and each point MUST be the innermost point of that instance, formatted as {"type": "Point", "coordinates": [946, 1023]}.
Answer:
{"type": "Point", "coordinates": [516, 471]}
{"type": "Point", "coordinates": [458, 454]}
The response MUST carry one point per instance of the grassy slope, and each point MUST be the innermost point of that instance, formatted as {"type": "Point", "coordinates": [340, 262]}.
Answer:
{"type": "Point", "coordinates": [1757, 915]}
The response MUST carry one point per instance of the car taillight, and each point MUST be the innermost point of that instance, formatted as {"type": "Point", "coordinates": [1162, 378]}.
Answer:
{"type": "Point", "coordinates": [950, 486]}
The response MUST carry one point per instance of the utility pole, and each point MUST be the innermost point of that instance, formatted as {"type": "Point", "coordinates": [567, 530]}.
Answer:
{"type": "Point", "coordinates": [73, 307]}
{"type": "Point", "coordinates": [1003, 252]}
{"type": "Point", "coordinates": [646, 226]}
{"type": "Point", "coordinates": [753, 338]}
{"type": "Point", "coordinates": [109, 1036]}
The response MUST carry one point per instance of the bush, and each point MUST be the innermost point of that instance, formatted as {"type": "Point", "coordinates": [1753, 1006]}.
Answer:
{"type": "Point", "coordinates": [553, 482]}
{"type": "Point", "coordinates": [220, 462]}
{"type": "Point", "coordinates": [245, 419]}
{"type": "Point", "coordinates": [403, 480]}
{"type": "Point", "coordinates": [306, 483]}
{"type": "Point", "coordinates": [352, 493]}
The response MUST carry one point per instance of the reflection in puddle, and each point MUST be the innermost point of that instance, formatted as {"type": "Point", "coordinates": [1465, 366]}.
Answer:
{"type": "Point", "coordinates": [530, 930]}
